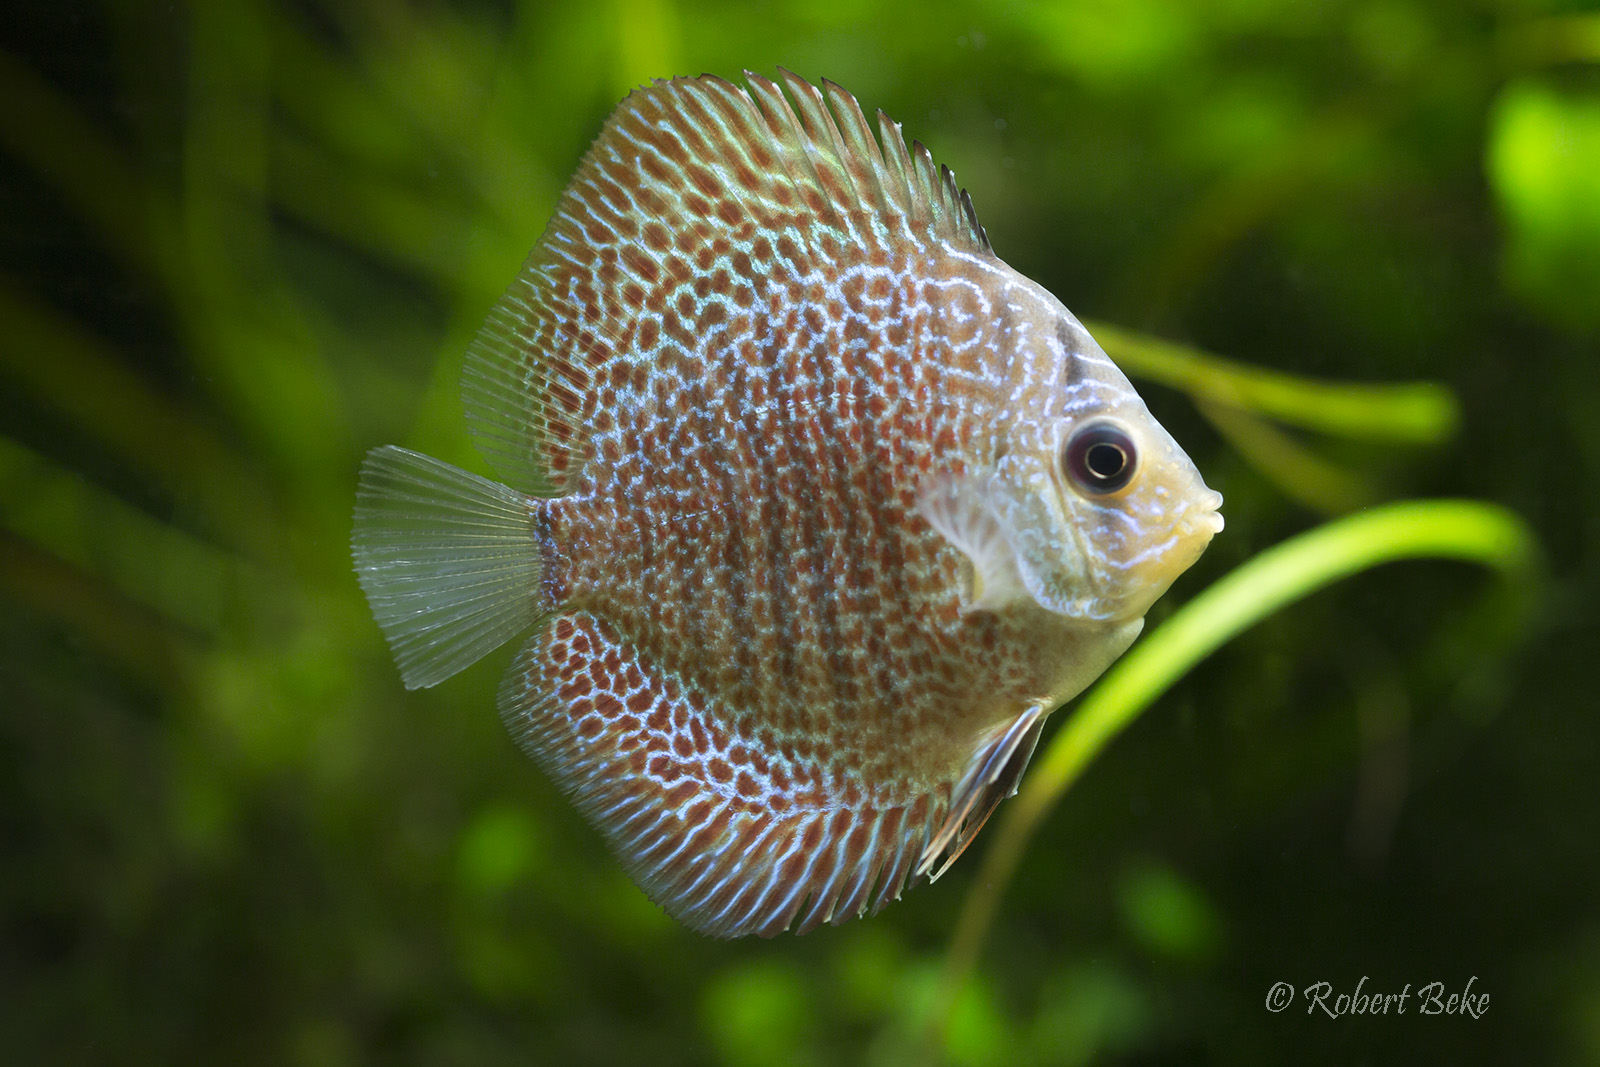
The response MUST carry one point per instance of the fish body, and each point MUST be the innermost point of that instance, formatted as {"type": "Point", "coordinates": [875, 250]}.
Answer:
{"type": "Point", "coordinates": [813, 508]}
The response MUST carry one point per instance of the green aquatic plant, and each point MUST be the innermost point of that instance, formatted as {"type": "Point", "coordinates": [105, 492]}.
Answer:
{"type": "Point", "coordinates": [1242, 401]}
{"type": "Point", "coordinates": [1413, 529]}
{"type": "Point", "coordinates": [253, 238]}
{"type": "Point", "coordinates": [1250, 405]}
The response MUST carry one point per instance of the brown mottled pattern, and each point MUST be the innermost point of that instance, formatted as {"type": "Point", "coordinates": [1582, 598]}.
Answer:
{"type": "Point", "coordinates": [746, 339]}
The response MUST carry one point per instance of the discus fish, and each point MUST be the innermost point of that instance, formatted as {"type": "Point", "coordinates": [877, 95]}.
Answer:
{"type": "Point", "coordinates": [813, 508]}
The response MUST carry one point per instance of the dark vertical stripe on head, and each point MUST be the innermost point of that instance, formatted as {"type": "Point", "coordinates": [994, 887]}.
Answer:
{"type": "Point", "coordinates": [891, 552]}
{"type": "Point", "coordinates": [1073, 372]}
{"type": "Point", "coordinates": [638, 507]}
{"type": "Point", "coordinates": [869, 363]}
{"type": "Point", "coordinates": [825, 450]}
{"type": "Point", "coordinates": [693, 557]}
{"type": "Point", "coordinates": [724, 458]}
{"type": "Point", "coordinates": [782, 571]}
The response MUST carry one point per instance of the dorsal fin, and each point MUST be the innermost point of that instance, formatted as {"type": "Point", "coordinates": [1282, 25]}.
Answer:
{"type": "Point", "coordinates": [688, 178]}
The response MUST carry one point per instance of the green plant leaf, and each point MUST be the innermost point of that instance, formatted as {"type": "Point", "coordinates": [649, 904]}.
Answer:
{"type": "Point", "coordinates": [1450, 529]}
{"type": "Point", "coordinates": [1420, 413]}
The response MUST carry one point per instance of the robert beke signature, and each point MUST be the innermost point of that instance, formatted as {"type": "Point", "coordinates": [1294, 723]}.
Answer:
{"type": "Point", "coordinates": [1431, 999]}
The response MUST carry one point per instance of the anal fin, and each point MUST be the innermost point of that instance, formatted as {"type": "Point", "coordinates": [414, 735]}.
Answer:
{"type": "Point", "coordinates": [991, 777]}
{"type": "Point", "coordinates": [728, 836]}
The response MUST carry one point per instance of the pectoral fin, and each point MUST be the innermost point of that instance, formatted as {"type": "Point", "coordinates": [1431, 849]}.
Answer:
{"type": "Point", "coordinates": [958, 509]}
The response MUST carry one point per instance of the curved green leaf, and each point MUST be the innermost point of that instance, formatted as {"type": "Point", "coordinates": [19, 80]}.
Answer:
{"type": "Point", "coordinates": [1449, 529]}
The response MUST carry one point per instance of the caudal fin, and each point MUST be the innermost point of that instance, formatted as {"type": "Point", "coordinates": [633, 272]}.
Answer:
{"type": "Point", "coordinates": [447, 559]}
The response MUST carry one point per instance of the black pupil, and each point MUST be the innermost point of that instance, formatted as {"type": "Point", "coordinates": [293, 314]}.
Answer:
{"type": "Point", "coordinates": [1105, 460]}
{"type": "Point", "coordinates": [1100, 459]}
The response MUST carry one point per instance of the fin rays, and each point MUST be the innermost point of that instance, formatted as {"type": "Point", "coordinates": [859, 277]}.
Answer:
{"type": "Point", "coordinates": [991, 777]}
{"type": "Point", "coordinates": [447, 560]}
{"type": "Point", "coordinates": [680, 167]}
{"type": "Point", "coordinates": [719, 860]}
{"type": "Point", "coordinates": [958, 510]}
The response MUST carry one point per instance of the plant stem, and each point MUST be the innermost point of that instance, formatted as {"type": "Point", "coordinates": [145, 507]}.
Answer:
{"type": "Point", "coordinates": [1287, 572]}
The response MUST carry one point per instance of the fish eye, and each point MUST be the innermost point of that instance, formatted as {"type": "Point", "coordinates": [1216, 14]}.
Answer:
{"type": "Point", "coordinates": [1099, 459]}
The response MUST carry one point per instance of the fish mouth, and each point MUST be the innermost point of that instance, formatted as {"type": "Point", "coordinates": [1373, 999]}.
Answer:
{"type": "Point", "coordinates": [1208, 516]}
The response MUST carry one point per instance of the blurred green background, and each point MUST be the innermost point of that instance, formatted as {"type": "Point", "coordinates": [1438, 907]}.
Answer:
{"type": "Point", "coordinates": [244, 241]}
